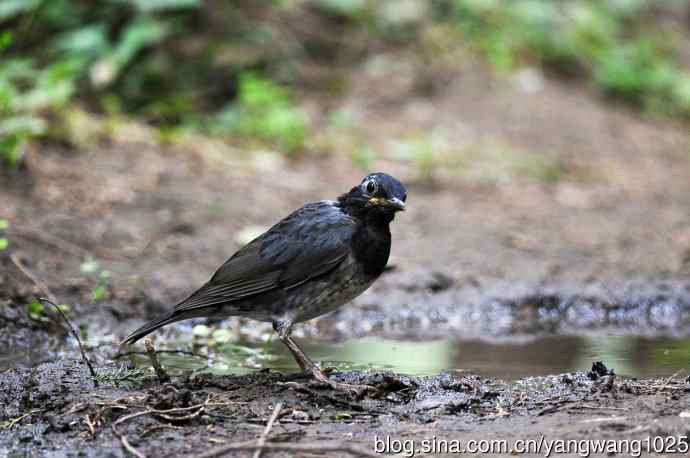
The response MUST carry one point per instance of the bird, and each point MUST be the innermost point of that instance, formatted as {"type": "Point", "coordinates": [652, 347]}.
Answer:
{"type": "Point", "coordinates": [312, 262]}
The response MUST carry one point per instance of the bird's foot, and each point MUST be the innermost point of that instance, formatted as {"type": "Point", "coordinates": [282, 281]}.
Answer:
{"type": "Point", "coordinates": [357, 390]}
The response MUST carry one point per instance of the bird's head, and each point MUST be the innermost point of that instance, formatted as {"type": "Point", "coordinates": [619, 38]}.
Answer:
{"type": "Point", "coordinates": [378, 197]}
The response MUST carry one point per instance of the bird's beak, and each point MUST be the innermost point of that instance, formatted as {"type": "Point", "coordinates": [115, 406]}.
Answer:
{"type": "Point", "coordinates": [396, 203]}
{"type": "Point", "coordinates": [393, 202]}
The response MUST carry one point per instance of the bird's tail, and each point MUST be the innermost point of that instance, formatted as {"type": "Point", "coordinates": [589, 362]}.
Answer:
{"type": "Point", "coordinates": [171, 317]}
{"type": "Point", "coordinates": [148, 328]}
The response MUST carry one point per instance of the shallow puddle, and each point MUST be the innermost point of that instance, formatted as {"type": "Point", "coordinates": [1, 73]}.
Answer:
{"type": "Point", "coordinates": [627, 355]}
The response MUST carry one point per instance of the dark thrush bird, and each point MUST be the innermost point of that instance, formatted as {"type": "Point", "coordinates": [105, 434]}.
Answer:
{"type": "Point", "coordinates": [312, 262]}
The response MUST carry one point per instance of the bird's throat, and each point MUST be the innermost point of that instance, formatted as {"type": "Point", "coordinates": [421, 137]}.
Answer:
{"type": "Point", "coordinates": [371, 246]}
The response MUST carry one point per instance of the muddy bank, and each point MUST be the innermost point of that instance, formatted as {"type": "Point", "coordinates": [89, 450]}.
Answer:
{"type": "Point", "coordinates": [55, 410]}
{"type": "Point", "coordinates": [404, 305]}
{"type": "Point", "coordinates": [434, 304]}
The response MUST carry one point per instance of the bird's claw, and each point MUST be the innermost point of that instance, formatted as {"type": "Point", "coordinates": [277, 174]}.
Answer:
{"type": "Point", "coordinates": [356, 390]}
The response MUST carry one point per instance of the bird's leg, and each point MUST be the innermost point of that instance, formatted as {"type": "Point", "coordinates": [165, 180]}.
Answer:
{"type": "Point", "coordinates": [283, 329]}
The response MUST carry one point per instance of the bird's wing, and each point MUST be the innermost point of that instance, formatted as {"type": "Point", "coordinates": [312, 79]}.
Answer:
{"type": "Point", "coordinates": [308, 243]}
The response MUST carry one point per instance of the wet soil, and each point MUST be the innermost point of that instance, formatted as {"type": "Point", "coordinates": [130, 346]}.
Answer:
{"type": "Point", "coordinates": [54, 410]}
{"type": "Point", "coordinates": [602, 248]}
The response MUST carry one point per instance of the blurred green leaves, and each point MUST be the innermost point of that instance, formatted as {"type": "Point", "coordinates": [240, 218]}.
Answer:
{"type": "Point", "coordinates": [148, 58]}
{"type": "Point", "coordinates": [213, 67]}
{"type": "Point", "coordinates": [149, 6]}
{"type": "Point", "coordinates": [264, 110]}
{"type": "Point", "coordinates": [91, 267]}
{"type": "Point", "coordinates": [617, 44]}
{"type": "Point", "coordinates": [11, 8]}
{"type": "Point", "coordinates": [4, 242]}
{"type": "Point", "coordinates": [35, 309]}
{"type": "Point", "coordinates": [26, 92]}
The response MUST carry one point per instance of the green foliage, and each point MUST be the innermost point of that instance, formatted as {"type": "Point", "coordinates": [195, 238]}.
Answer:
{"type": "Point", "coordinates": [92, 267]}
{"type": "Point", "coordinates": [68, 45]}
{"type": "Point", "coordinates": [4, 242]}
{"type": "Point", "coordinates": [363, 157]}
{"type": "Point", "coordinates": [25, 93]}
{"type": "Point", "coordinates": [264, 110]}
{"type": "Point", "coordinates": [213, 66]}
{"type": "Point", "coordinates": [35, 309]}
{"type": "Point", "coordinates": [101, 290]}
{"type": "Point", "coordinates": [351, 8]}
{"type": "Point", "coordinates": [153, 58]}
{"type": "Point", "coordinates": [614, 43]}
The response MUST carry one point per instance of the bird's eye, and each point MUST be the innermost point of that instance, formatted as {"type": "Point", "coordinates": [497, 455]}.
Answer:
{"type": "Point", "coordinates": [371, 187]}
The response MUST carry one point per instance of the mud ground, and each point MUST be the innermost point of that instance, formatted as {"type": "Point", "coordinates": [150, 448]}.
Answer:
{"type": "Point", "coordinates": [604, 246]}
{"type": "Point", "coordinates": [55, 410]}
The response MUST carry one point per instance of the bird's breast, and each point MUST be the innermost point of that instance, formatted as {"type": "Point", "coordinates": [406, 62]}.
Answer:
{"type": "Point", "coordinates": [328, 293]}
{"type": "Point", "coordinates": [371, 246]}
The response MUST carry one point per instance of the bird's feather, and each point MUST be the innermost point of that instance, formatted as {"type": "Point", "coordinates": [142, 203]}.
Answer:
{"type": "Point", "coordinates": [310, 242]}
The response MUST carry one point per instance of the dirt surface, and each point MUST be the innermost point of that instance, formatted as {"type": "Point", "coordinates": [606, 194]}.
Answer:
{"type": "Point", "coordinates": [55, 410]}
{"type": "Point", "coordinates": [602, 243]}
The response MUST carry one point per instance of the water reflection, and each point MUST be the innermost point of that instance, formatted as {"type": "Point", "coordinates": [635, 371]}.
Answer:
{"type": "Point", "coordinates": [629, 355]}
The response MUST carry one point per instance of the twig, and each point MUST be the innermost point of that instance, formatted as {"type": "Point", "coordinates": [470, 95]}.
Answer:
{"type": "Point", "coordinates": [163, 376]}
{"type": "Point", "coordinates": [316, 447]}
{"type": "Point", "coordinates": [13, 421]}
{"type": "Point", "coordinates": [156, 412]}
{"type": "Point", "coordinates": [130, 448]}
{"type": "Point", "coordinates": [94, 375]}
{"type": "Point", "coordinates": [148, 431]}
{"type": "Point", "coordinates": [197, 409]}
{"type": "Point", "coordinates": [264, 435]}
{"type": "Point", "coordinates": [49, 239]}
{"type": "Point", "coordinates": [30, 275]}
{"type": "Point", "coordinates": [590, 407]}
{"type": "Point", "coordinates": [91, 425]}
{"type": "Point", "coordinates": [668, 381]}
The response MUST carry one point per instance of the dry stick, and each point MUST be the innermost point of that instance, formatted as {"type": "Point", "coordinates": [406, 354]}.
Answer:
{"type": "Point", "coordinates": [90, 424]}
{"type": "Point", "coordinates": [163, 376]}
{"type": "Point", "coordinates": [34, 279]}
{"type": "Point", "coordinates": [313, 447]}
{"type": "Point", "coordinates": [49, 239]}
{"type": "Point", "coordinates": [130, 448]}
{"type": "Point", "coordinates": [150, 430]}
{"type": "Point", "coordinates": [10, 423]}
{"type": "Point", "coordinates": [262, 439]}
{"type": "Point", "coordinates": [123, 437]}
{"type": "Point", "coordinates": [94, 375]}
{"type": "Point", "coordinates": [668, 381]}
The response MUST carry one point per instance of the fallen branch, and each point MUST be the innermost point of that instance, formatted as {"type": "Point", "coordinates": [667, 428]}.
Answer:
{"type": "Point", "coordinates": [13, 421]}
{"type": "Point", "coordinates": [158, 428]}
{"type": "Point", "coordinates": [130, 448]}
{"type": "Point", "coordinates": [590, 407]}
{"type": "Point", "coordinates": [667, 383]}
{"type": "Point", "coordinates": [164, 413]}
{"type": "Point", "coordinates": [305, 447]}
{"type": "Point", "coordinates": [195, 409]}
{"type": "Point", "coordinates": [163, 376]}
{"type": "Point", "coordinates": [264, 435]}
{"type": "Point", "coordinates": [94, 375]}
{"type": "Point", "coordinates": [49, 239]}
{"type": "Point", "coordinates": [91, 425]}
{"type": "Point", "coordinates": [30, 275]}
